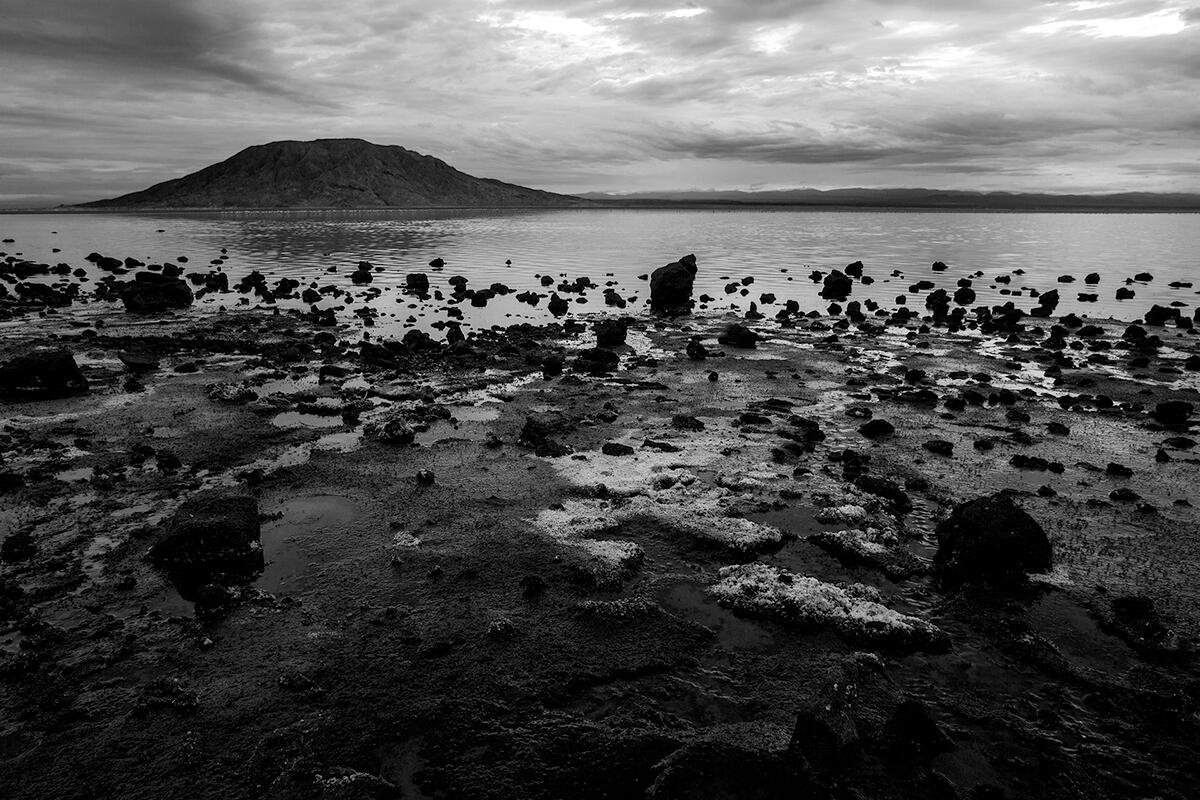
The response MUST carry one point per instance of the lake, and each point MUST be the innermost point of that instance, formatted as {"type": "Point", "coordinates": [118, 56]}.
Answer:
{"type": "Point", "coordinates": [777, 247]}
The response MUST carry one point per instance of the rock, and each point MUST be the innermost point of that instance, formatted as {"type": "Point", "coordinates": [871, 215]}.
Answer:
{"type": "Point", "coordinates": [394, 431]}
{"type": "Point", "coordinates": [151, 293]}
{"type": "Point", "coordinates": [683, 422]}
{"type": "Point", "coordinates": [913, 733]}
{"type": "Point", "coordinates": [697, 351]}
{"type": "Point", "coordinates": [889, 490]}
{"type": "Point", "coordinates": [611, 332]}
{"type": "Point", "coordinates": [426, 477]}
{"type": "Point", "coordinates": [877, 428]}
{"type": "Point", "coordinates": [837, 285]}
{"type": "Point", "coordinates": [990, 539]}
{"type": "Point", "coordinates": [616, 449]}
{"type": "Point", "coordinates": [1173, 412]}
{"type": "Point", "coordinates": [939, 447]}
{"type": "Point", "coordinates": [1092, 278]}
{"type": "Point", "coordinates": [854, 612]}
{"type": "Point", "coordinates": [871, 548]}
{"type": "Point", "coordinates": [552, 365]}
{"type": "Point", "coordinates": [596, 361]}
{"type": "Point", "coordinates": [417, 282]}
{"type": "Point", "coordinates": [539, 428]}
{"type": "Point", "coordinates": [213, 537]}
{"type": "Point", "coordinates": [42, 374]}
{"type": "Point", "coordinates": [671, 286]}
{"type": "Point", "coordinates": [137, 362]}
{"type": "Point", "coordinates": [557, 305]}
{"type": "Point", "coordinates": [1160, 315]}
{"type": "Point", "coordinates": [737, 335]}
{"type": "Point", "coordinates": [18, 546]}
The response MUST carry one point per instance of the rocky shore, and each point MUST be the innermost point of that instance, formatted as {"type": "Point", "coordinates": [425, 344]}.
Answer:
{"type": "Point", "coordinates": [944, 551]}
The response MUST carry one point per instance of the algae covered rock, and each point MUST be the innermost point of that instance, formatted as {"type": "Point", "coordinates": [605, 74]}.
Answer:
{"type": "Point", "coordinates": [854, 611]}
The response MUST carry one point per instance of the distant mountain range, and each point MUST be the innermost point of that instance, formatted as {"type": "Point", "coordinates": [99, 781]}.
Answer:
{"type": "Point", "coordinates": [331, 173]}
{"type": "Point", "coordinates": [933, 199]}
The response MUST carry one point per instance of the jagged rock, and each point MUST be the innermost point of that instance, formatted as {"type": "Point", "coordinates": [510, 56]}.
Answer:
{"type": "Point", "coordinates": [671, 286]}
{"type": "Point", "coordinates": [990, 539]}
{"type": "Point", "coordinates": [837, 285]}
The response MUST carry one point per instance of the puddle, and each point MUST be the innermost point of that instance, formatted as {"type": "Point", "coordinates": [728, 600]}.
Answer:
{"type": "Point", "coordinates": [288, 542]}
{"type": "Point", "coordinates": [296, 419]}
{"type": "Point", "coordinates": [75, 475]}
{"type": "Point", "coordinates": [733, 632]}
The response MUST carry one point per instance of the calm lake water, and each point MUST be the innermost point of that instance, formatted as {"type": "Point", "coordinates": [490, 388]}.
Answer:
{"type": "Point", "coordinates": [777, 247]}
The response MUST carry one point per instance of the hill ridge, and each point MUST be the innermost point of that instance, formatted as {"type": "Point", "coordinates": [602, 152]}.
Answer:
{"type": "Point", "coordinates": [331, 173]}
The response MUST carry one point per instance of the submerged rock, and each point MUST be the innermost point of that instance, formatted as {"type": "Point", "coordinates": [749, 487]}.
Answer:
{"type": "Point", "coordinates": [42, 374]}
{"type": "Point", "coordinates": [990, 539]}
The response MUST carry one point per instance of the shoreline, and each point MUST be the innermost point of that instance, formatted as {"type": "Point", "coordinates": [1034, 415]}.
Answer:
{"type": "Point", "coordinates": [464, 543]}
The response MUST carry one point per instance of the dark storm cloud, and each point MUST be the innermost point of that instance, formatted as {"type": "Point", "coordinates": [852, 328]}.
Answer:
{"type": "Point", "coordinates": [581, 94]}
{"type": "Point", "coordinates": [147, 39]}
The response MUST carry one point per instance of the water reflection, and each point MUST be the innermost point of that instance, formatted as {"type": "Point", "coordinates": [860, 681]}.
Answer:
{"type": "Point", "coordinates": [778, 248]}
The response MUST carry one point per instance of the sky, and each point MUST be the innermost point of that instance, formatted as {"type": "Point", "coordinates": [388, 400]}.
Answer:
{"type": "Point", "coordinates": [102, 97]}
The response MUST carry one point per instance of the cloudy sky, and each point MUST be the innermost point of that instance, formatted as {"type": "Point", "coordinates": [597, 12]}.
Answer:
{"type": "Point", "coordinates": [100, 97]}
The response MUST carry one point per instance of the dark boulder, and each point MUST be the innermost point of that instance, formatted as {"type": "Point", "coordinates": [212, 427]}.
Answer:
{"type": "Point", "coordinates": [417, 282]}
{"type": "Point", "coordinates": [671, 286]}
{"type": "Point", "coordinates": [596, 361]}
{"type": "Point", "coordinates": [939, 447]}
{"type": "Point", "coordinates": [837, 285]}
{"type": "Point", "coordinates": [1173, 412]}
{"type": "Point", "coordinates": [557, 305]}
{"type": "Point", "coordinates": [696, 351]}
{"type": "Point", "coordinates": [737, 335]}
{"type": "Point", "coordinates": [990, 539]}
{"type": "Point", "coordinates": [877, 428]}
{"type": "Point", "coordinates": [42, 374]}
{"type": "Point", "coordinates": [1160, 315]}
{"type": "Point", "coordinates": [151, 293]}
{"type": "Point", "coordinates": [611, 332]}
{"type": "Point", "coordinates": [212, 538]}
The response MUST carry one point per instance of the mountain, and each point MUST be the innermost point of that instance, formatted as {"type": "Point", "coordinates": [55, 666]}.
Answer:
{"type": "Point", "coordinates": [332, 173]}
{"type": "Point", "coordinates": [935, 199]}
